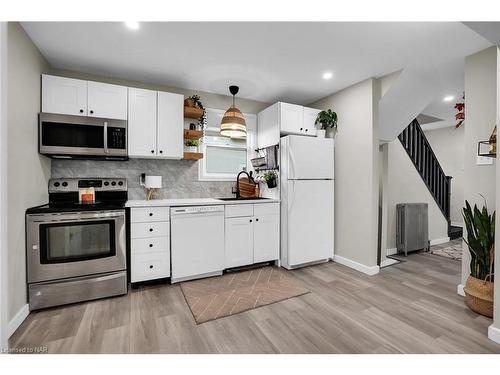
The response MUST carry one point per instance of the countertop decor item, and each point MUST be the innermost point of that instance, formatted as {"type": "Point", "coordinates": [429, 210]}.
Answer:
{"type": "Point", "coordinates": [233, 124]}
{"type": "Point", "coordinates": [327, 121]}
{"type": "Point", "coordinates": [153, 185]}
{"type": "Point", "coordinates": [480, 225]}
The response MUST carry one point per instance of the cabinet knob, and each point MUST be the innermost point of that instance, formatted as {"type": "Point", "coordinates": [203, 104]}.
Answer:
{"type": "Point", "coordinates": [250, 220]}
{"type": "Point", "coordinates": [150, 214]}
{"type": "Point", "coordinates": [152, 151]}
{"type": "Point", "coordinates": [91, 111]}
{"type": "Point", "coordinates": [301, 128]}
{"type": "Point", "coordinates": [150, 245]}
{"type": "Point", "coordinates": [150, 266]}
{"type": "Point", "coordinates": [256, 219]}
{"type": "Point", "coordinates": [307, 129]}
{"type": "Point", "coordinates": [150, 229]}
{"type": "Point", "coordinates": [161, 151]}
{"type": "Point", "coordinates": [81, 110]}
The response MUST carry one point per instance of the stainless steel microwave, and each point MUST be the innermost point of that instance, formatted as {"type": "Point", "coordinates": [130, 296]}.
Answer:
{"type": "Point", "coordinates": [81, 137]}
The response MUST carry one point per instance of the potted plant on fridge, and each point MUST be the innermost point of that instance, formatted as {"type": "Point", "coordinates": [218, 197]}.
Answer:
{"type": "Point", "coordinates": [480, 226]}
{"type": "Point", "coordinates": [327, 121]}
{"type": "Point", "coordinates": [191, 145]}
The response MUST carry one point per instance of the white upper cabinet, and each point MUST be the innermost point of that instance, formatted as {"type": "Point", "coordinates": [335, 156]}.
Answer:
{"type": "Point", "coordinates": [142, 109]}
{"type": "Point", "coordinates": [64, 95]}
{"type": "Point", "coordinates": [83, 98]}
{"type": "Point", "coordinates": [170, 130]}
{"type": "Point", "coordinates": [284, 118]}
{"type": "Point", "coordinates": [105, 100]}
{"type": "Point", "coordinates": [310, 115]}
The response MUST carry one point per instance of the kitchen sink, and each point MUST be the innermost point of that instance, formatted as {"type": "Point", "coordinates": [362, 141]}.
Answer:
{"type": "Point", "coordinates": [241, 199]}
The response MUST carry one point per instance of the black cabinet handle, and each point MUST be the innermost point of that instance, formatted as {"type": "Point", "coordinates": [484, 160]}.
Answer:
{"type": "Point", "coordinates": [152, 151]}
{"type": "Point", "coordinates": [161, 151]}
{"type": "Point", "coordinates": [150, 245]}
{"type": "Point", "coordinates": [250, 220]}
{"type": "Point", "coordinates": [301, 128]}
{"type": "Point", "coordinates": [81, 110]}
{"type": "Point", "coordinates": [150, 214]}
{"type": "Point", "coordinates": [307, 129]}
{"type": "Point", "coordinates": [256, 219]}
{"type": "Point", "coordinates": [91, 111]}
{"type": "Point", "coordinates": [150, 266]}
{"type": "Point", "coordinates": [150, 229]}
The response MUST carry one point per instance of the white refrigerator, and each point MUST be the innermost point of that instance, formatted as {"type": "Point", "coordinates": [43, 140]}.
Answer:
{"type": "Point", "coordinates": [307, 190]}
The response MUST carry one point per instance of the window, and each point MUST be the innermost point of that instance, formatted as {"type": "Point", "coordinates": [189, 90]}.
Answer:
{"type": "Point", "coordinates": [224, 158]}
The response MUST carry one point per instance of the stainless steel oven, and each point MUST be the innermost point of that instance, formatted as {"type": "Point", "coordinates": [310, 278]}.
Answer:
{"type": "Point", "coordinates": [77, 252]}
{"type": "Point", "coordinates": [67, 136]}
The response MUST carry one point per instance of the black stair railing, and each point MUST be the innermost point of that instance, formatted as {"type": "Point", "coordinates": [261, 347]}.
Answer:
{"type": "Point", "coordinates": [425, 161]}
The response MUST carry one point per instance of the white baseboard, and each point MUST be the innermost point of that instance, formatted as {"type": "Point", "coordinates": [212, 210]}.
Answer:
{"type": "Point", "coordinates": [388, 262]}
{"type": "Point", "coordinates": [369, 270]}
{"type": "Point", "coordinates": [392, 251]}
{"type": "Point", "coordinates": [439, 241]}
{"type": "Point", "coordinates": [494, 334]}
{"type": "Point", "coordinates": [17, 320]}
{"type": "Point", "coordinates": [457, 224]}
{"type": "Point", "coordinates": [460, 290]}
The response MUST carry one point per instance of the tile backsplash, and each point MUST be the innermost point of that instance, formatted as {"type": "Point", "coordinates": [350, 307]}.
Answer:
{"type": "Point", "coordinates": [180, 177]}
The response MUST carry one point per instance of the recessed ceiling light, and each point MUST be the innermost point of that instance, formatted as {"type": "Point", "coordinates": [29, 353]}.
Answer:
{"type": "Point", "coordinates": [448, 98]}
{"type": "Point", "coordinates": [327, 75]}
{"type": "Point", "coordinates": [132, 25]}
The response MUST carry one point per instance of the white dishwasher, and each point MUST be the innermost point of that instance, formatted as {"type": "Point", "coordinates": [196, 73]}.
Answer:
{"type": "Point", "coordinates": [197, 242]}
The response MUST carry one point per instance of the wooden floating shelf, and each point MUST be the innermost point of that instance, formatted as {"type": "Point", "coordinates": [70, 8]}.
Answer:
{"type": "Point", "coordinates": [193, 156]}
{"type": "Point", "coordinates": [193, 134]}
{"type": "Point", "coordinates": [193, 112]}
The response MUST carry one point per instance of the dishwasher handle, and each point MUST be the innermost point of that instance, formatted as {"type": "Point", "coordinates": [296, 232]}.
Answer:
{"type": "Point", "coordinates": [196, 210]}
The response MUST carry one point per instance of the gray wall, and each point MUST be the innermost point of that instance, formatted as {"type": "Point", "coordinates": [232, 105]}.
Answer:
{"type": "Point", "coordinates": [448, 145]}
{"type": "Point", "coordinates": [356, 171]}
{"type": "Point", "coordinates": [480, 117]}
{"type": "Point", "coordinates": [28, 172]}
{"type": "Point", "coordinates": [180, 177]}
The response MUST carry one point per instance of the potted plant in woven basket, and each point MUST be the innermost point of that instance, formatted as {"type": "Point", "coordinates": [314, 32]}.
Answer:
{"type": "Point", "coordinates": [327, 121]}
{"type": "Point", "coordinates": [480, 226]}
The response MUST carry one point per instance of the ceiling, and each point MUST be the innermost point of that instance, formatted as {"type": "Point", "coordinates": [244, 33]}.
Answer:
{"type": "Point", "coordinates": [269, 61]}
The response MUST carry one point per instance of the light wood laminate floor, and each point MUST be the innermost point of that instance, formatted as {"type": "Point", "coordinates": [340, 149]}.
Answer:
{"type": "Point", "coordinates": [411, 307]}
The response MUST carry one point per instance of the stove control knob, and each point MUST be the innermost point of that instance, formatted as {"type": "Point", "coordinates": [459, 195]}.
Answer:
{"type": "Point", "coordinates": [64, 184]}
{"type": "Point", "coordinates": [106, 183]}
{"type": "Point", "coordinates": [113, 183]}
{"type": "Point", "coordinates": [120, 183]}
{"type": "Point", "coordinates": [56, 184]}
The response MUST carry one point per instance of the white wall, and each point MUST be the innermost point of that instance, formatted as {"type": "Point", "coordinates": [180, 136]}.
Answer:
{"type": "Point", "coordinates": [448, 145]}
{"type": "Point", "coordinates": [494, 330]}
{"type": "Point", "coordinates": [406, 186]}
{"type": "Point", "coordinates": [28, 172]}
{"type": "Point", "coordinates": [480, 118]}
{"type": "Point", "coordinates": [356, 172]}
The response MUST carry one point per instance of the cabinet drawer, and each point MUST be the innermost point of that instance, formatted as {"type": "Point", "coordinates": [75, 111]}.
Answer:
{"type": "Point", "coordinates": [266, 209]}
{"type": "Point", "coordinates": [149, 214]}
{"type": "Point", "coordinates": [148, 245]}
{"type": "Point", "coordinates": [239, 210]}
{"type": "Point", "coordinates": [146, 230]}
{"type": "Point", "coordinates": [149, 266]}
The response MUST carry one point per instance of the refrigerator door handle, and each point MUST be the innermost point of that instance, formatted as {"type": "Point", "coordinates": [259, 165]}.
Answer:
{"type": "Point", "coordinates": [291, 195]}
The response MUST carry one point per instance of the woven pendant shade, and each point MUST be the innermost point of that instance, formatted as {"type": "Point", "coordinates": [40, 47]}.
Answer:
{"type": "Point", "coordinates": [233, 123]}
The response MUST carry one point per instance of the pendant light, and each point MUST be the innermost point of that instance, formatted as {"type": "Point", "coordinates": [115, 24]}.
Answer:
{"type": "Point", "coordinates": [233, 123]}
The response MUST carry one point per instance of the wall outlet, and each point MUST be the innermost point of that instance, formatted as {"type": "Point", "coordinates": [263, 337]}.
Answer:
{"type": "Point", "coordinates": [484, 160]}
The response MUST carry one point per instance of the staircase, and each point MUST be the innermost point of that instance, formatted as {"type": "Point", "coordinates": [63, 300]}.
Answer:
{"type": "Point", "coordinates": [425, 161]}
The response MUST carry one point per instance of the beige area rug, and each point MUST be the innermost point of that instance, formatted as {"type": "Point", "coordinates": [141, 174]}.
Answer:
{"type": "Point", "coordinates": [233, 293]}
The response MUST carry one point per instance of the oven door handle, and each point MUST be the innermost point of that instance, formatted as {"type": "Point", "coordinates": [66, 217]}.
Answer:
{"type": "Point", "coordinates": [77, 217]}
{"type": "Point", "coordinates": [106, 137]}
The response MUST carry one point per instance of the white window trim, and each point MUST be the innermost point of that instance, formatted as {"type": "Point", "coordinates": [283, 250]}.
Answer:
{"type": "Point", "coordinates": [251, 132]}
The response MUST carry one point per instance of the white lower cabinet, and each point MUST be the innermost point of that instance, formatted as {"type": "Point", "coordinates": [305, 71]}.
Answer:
{"type": "Point", "coordinates": [149, 244]}
{"type": "Point", "coordinates": [253, 238]}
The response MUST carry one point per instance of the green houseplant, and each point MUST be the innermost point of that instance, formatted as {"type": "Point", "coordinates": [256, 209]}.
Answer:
{"type": "Point", "coordinates": [191, 145]}
{"type": "Point", "coordinates": [270, 177]}
{"type": "Point", "coordinates": [480, 226]}
{"type": "Point", "coordinates": [327, 121]}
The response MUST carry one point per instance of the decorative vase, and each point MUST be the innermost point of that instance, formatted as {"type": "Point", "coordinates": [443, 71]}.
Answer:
{"type": "Point", "coordinates": [189, 102]}
{"type": "Point", "coordinates": [271, 184]}
{"type": "Point", "coordinates": [479, 296]}
{"type": "Point", "coordinates": [191, 148]}
{"type": "Point", "coordinates": [320, 133]}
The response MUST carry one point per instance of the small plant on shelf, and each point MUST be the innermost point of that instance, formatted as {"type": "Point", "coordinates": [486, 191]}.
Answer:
{"type": "Point", "coordinates": [195, 101]}
{"type": "Point", "coordinates": [327, 120]}
{"type": "Point", "coordinates": [191, 145]}
{"type": "Point", "coordinates": [270, 177]}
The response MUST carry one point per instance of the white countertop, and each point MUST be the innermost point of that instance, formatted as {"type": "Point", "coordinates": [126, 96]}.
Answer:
{"type": "Point", "coordinates": [192, 202]}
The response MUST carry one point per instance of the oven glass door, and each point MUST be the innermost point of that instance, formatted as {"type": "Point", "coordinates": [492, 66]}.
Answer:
{"type": "Point", "coordinates": [76, 241]}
